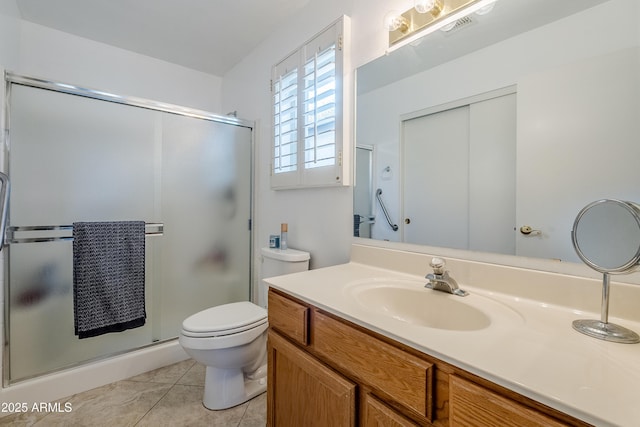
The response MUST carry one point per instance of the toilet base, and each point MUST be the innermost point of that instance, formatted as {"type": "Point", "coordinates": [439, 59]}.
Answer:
{"type": "Point", "coordinates": [225, 388]}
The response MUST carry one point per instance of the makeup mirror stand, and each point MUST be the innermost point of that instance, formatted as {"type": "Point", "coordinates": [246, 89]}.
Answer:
{"type": "Point", "coordinates": [602, 329]}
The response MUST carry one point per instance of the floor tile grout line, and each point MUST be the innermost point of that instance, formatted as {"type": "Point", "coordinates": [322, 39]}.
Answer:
{"type": "Point", "coordinates": [186, 372]}
{"type": "Point", "coordinates": [246, 408]}
{"type": "Point", "coordinates": [166, 393]}
{"type": "Point", "coordinates": [155, 404]}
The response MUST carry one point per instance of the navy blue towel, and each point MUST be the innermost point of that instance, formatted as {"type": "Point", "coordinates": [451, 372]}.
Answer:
{"type": "Point", "coordinates": [108, 277]}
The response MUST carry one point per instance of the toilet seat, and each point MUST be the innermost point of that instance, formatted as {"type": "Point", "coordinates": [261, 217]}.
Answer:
{"type": "Point", "coordinates": [224, 320]}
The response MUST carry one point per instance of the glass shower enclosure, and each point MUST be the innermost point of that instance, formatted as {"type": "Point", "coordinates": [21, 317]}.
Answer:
{"type": "Point", "coordinates": [82, 155]}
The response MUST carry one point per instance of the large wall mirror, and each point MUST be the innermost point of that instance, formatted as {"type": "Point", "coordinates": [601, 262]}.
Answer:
{"type": "Point", "coordinates": [492, 136]}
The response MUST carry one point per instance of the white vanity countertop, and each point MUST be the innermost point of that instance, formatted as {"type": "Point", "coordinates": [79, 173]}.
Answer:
{"type": "Point", "coordinates": [539, 355]}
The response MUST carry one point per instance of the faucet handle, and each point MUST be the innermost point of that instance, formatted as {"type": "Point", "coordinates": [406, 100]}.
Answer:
{"type": "Point", "coordinates": [438, 265]}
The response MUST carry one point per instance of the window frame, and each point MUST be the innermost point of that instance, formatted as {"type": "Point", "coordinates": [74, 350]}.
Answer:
{"type": "Point", "coordinates": [339, 173]}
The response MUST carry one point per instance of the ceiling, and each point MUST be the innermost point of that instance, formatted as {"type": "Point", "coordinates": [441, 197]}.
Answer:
{"type": "Point", "coordinates": [206, 35]}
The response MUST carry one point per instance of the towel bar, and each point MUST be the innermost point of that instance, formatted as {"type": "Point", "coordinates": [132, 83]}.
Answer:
{"type": "Point", "coordinates": [151, 229]}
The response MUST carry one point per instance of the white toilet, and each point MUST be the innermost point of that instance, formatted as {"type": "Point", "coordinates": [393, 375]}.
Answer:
{"type": "Point", "coordinates": [231, 339]}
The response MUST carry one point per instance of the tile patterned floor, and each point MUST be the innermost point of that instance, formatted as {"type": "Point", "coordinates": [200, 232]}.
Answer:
{"type": "Point", "coordinates": [169, 396]}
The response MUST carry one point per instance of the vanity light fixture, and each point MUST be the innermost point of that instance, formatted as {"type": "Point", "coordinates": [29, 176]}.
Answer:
{"type": "Point", "coordinates": [428, 16]}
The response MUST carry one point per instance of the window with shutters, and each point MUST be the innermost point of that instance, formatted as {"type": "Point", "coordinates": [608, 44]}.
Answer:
{"type": "Point", "coordinates": [308, 94]}
{"type": "Point", "coordinates": [285, 122]}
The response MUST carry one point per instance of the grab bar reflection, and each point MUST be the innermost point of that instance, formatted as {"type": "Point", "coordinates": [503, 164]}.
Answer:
{"type": "Point", "coordinates": [366, 219]}
{"type": "Point", "coordinates": [4, 199]}
{"type": "Point", "coordinates": [151, 229]}
{"type": "Point", "coordinates": [393, 226]}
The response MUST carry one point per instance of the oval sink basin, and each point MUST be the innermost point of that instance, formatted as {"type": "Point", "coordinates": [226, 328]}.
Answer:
{"type": "Point", "coordinates": [408, 301]}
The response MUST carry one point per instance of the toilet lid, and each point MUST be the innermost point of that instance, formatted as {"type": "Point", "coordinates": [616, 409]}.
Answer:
{"type": "Point", "coordinates": [225, 319]}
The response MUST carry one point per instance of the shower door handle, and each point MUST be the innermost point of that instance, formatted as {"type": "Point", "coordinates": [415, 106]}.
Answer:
{"type": "Point", "coordinates": [4, 207]}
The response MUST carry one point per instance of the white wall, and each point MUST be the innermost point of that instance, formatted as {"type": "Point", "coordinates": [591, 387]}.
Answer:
{"type": "Point", "coordinates": [59, 56]}
{"type": "Point", "coordinates": [9, 34]}
{"type": "Point", "coordinates": [31, 49]}
{"type": "Point", "coordinates": [578, 138]}
{"type": "Point", "coordinates": [320, 220]}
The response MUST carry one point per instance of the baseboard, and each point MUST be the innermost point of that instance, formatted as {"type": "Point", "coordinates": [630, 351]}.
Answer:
{"type": "Point", "coordinates": [59, 385]}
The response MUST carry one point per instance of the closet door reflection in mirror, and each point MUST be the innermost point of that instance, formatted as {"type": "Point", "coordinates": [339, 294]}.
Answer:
{"type": "Point", "coordinates": [459, 176]}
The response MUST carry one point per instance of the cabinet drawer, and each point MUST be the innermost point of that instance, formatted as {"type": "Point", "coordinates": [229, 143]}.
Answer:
{"type": "Point", "coordinates": [289, 318]}
{"type": "Point", "coordinates": [390, 371]}
{"type": "Point", "coordinates": [473, 405]}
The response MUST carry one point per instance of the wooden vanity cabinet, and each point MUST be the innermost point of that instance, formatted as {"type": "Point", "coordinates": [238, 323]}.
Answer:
{"type": "Point", "coordinates": [326, 371]}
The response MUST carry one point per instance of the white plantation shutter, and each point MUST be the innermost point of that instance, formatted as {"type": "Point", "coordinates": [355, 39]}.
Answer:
{"type": "Point", "coordinates": [285, 117]}
{"type": "Point", "coordinates": [308, 120]}
{"type": "Point", "coordinates": [319, 94]}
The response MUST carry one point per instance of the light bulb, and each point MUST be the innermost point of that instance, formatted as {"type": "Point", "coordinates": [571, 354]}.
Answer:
{"type": "Point", "coordinates": [428, 6]}
{"type": "Point", "coordinates": [424, 6]}
{"type": "Point", "coordinates": [395, 21]}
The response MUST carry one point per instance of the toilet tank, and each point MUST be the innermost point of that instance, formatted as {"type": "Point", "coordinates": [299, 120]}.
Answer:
{"type": "Point", "coordinates": [276, 262]}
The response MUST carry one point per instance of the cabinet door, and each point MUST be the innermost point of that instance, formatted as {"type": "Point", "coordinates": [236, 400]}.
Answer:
{"type": "Point", "coordinates": [473, 405]}
{"type": "Point", "coordinates": [377, 414]}
{"type": "Point", "coordinates": [304, 392]}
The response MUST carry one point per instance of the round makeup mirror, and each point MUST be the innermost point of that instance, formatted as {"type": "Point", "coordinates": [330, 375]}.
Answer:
{"type": "Point", "coordinates": [606, 236]}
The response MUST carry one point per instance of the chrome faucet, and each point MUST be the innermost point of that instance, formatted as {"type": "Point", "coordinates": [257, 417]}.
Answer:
{"type": "Point", "coordinates": [440, 280]}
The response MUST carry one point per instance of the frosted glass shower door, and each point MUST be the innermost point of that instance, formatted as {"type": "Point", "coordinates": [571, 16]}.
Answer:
{"type": "Point", "coordinates": [206, 205]}
{"type": "Point", "coordinates": [71, 159]}
{"type": "Point", "coordinates": [76, 158]}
